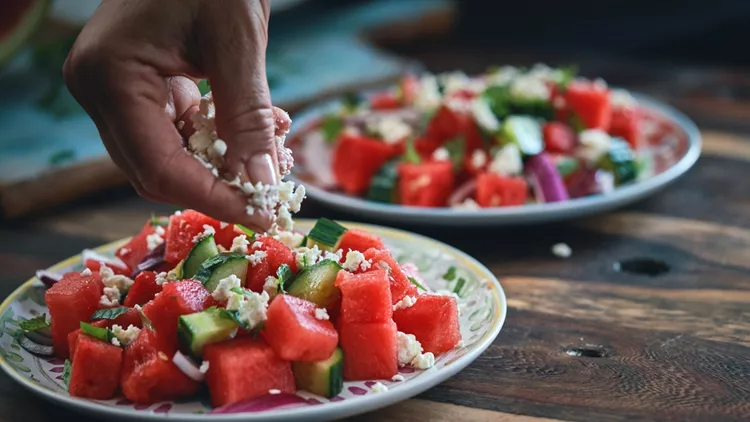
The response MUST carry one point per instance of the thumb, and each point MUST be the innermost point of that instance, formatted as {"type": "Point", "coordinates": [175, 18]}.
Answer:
{"type": "Point", "coordinates": [233, 56]}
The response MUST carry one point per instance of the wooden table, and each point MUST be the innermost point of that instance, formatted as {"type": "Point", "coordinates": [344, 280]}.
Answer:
{"type": "Point", "coordinates": [582, 341]}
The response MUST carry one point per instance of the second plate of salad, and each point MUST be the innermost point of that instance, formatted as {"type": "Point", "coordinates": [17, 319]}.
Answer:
{"type": "Point", "coordinates": [508, 146]}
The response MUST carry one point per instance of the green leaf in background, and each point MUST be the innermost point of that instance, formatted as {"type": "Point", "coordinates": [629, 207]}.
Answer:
{"type": "Point", "coordinates": [352, 100]}
{"type": "Point", "coordinates": [66, 373]}
{"type": "Point", "coordinates": [456, 149]}
{"type": "Point", "coordinates": [35, 324]}
{"type": "Point", "coordinates": [61, 157]}
{"type": "Point", "coordinates": [331, 126]}
{"type": "Point", "coordinates": [204, 87]}
{"type": "Point", "coordinates": [111, 313]}
{"type": "Point", "coordinates": [411, 155]}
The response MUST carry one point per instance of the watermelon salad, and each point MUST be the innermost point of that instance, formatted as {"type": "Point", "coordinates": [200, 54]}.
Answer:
{"type": "Point", "coordinates": [191, 302]}
{"type": "Point", "coordinates": [507, 137]}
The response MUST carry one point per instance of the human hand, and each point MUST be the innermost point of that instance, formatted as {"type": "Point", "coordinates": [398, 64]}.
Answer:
{"type": "Point", "coordinates": [134, 69]}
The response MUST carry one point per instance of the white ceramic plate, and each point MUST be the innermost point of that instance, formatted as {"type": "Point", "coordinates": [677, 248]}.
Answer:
{"type": "Point", "coordinates": [482, 306]}
{"type": "Point", "coordinates": [675, 149]}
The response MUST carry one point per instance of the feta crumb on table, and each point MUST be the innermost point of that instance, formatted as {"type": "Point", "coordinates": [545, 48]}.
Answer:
{"type": "Point", "coordinates": [562, 250]}
{"type": "Point", "coordinates": [379, 387]}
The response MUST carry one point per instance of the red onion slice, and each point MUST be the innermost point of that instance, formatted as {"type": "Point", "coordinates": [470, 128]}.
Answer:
{"type": "Point", "coordinates": [151, 261]}
{"type": "Point", "coordinates": [463, 192]}
{"type": "Point", "coordinates": [187, 367]}
{"type": "Point", "coordinates": [48, 277]}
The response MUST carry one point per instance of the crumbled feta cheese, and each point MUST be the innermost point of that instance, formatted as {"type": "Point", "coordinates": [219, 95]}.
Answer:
{"type": "Point", "coordinates": [322, 314]}
{"type": "Point", "coordinates": [295, 203]}
{"type": "Point", "coordinates": [239, 244]}
{"type": "Point", "coordinates": [333, 256]}
{"type": "Point", "coordinates": [356, 260]}
{"type": "Point", "coordinates": [125, 336]}
{"type": "Point", "coordinates": [502, 76]}
{"type": "Point", "coordinates": [410, 352]}
{"type": "Point", "coordinates": [379, 387]}
{"type": "Point", "coordinates": [594, 144]}
{"type": "Point", "coordinates": [441, 154]}
{"type": "Point", "coordinates": [284, 218]}
{"type": "Point", "coordinates": [274, 391]}
{"type": "Point", "coordinates": [460, 344]}
{"type": "Point", "coordinates": [271, 286]}
{"type": "Point", "coordinates": [483, 115]}
{"type": "Point", "coordinates": [530, 87]}
{"type": "Point", "coordinates": [115, 342]}
{"type": "Point", "coordinates": [507, 161]}
{"type": "Point", "coordinates": [204, 367]}
{"type": "Point", "coordinates": [172, 275]}
{"type": "Point", "coordinates": [397, 378]}
{"type": "Point", "coordinates": [562, 250]}
{"type": "Point", "coordinates": [600, 84]}
{"type": "Point", "coordinates": [224, 288]}
{"type": "Point", "coordinates": [428, 95]}
{"type": "Point", "coordinates": [156, 238]}
{"type": "Point", "coordinates": [406, 302]}
{"type": "Point", "coordinates": [251, 308]}
{"type": "Point", "coordinates": [256, 257]}
{"type": "Point", "coordinates": [180, 124]}
{"type": "Point", "coordinates": [86, 271]}
{"type": "Point", "coordinates": [115, 285]}
{"type": "Point", "coordinates": [467, 204]}
{"type": "Point", "coordinates": [257, 245]}
{"type": "Point", "coordinates": [208, 230]}
{"type": "Point", "coordinates": [223, 225]}
{"type": "Point", "coordinates": [290, 239]}
{"type": "Point", "coordinates": [478, 159]}
{"type": "Point", "coordinates": [424, 361]}
{"type": "Point", "coordinates": [391, 128]}
{"type": "Point", "coordinates": [161, 278]}
{"type": "Point", "coordinates": [307, 256]}
{"type": "Point", "coordinates": [219, 148]}
{"type": "Point", "coordinates": [621, 98]}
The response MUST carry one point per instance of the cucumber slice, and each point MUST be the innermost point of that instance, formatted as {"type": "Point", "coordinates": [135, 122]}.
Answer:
{"type": "Point", "coordinates": [178, 270]}
{"type": "Point", "coordinates": [326, 234]}
{"type": "Point", "coordinates": [324, 378]}
{"type": "Point", "coordinates": [383, 187]}
{"type": "Point", "coordinates": [194, 331]}
{"type": "Point", "coordinates": [202, 250]}
{"type": "Point", "coordinates": [525, 132]}
{"type": "Point", "coordinates": [620, 161]}
{"type": "Point", "coordinates": [222, 266]}
{"type": "Point", "coordinates": [316, 284]}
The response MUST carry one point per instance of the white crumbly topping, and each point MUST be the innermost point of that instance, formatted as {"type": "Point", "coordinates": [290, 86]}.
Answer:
{"type": "Point", "coordinates": [115, 342]}
{"type": "Point", "coordinates": [257, 244]}
{"type": "Point", "coordinates": [410, 352]}
{"type": "Point", "coordinates": [271, 286]}
{"type": "Point", "coordinates": [428, 95]}
{"type": "Point", "coordinates": [156, 238]}
{"type": "Point", "coordinates": [478, 159]}
{"type": "Point", "coordinates": [424, 361]}
{"type": "Point", "coordinates": [333, 256]}
{"type": "Point", "coordinates": [562, 250]}
{"type": "Point", "coordinates": [204, 367]}
{"type": "Point", "coordinates": [441, 154]}
{"type": "Point", "coordinates": [546, 73]}
{"type": "Point", "coordinates": [529, 87]}
{"type": "Point", "coordinates": [621, 98]}
{"type": "Point", "coordinates": [161, 278]}
{"type": "Point", "coordinates": [284, 219]}
{"type": "Point", "coordinates": [115, 285]}
{"type": "Point", "coordinates": [86, 271]}
{"type": "Point", "coordinates": [274, 391]}
{"type": "Point", "coordinates": [307, 256]}
{"type": "Point", "coordinates": [379, 387]}
{"type": "Point", "coordinates": [239, 244]}
{"type": "Point", "coordinates": [594, 144]}
{"type": "Point", "coordinates": [251, 307]}
{"type": "Point", "coordinates": [256, 257]}
{"type": "Point", "coordinates": [397, 378]}
{"type": "Point", "coordinates": [502, 76]}
{"type": "Point", "coordinates": [391, 128]}
{"type": "Point", "coordinates": [483, 115]}
{"type": "Point", "coordinates": [356, 260]}
{"type": "Point", "coordinates": [600, 84]}
{"type": "Point", "coordinates": [219, 147]}
{"type": "Point", "coordinates": [172, 275]}
{"type": "Point", "coordinates": [406, 302]}
{"type": "Point", "coordinates": [224, 288]}
{"type": "Point", "coordinates": [290, 239]}
{"type": "Point", "coordinates": [208, 230]}
{"type": "Point", "coordinates": [507, 161]}
{"type": "Point", "coordinates": [322, 314]}
{"type": "Point", "coordinates": [467, 204]}
{"type": "Point", "coordinates": [125, 336]}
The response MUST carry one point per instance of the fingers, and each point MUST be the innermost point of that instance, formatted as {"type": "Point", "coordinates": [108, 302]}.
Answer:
{"type": "Point", "coordinates": [233, 58]}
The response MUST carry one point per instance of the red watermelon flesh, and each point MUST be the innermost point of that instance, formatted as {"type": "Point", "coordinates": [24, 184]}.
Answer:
{"type": "Point", "coordinates": [277, 254]}
{"type": "Point", "coordinates": [365, 297]}
{"type": "Point", "coordinates": [184, 226]}
{"type": "Point", "coordinates": [95, 370]}
{"type": "Point", "coordinates": [357, 158]}
{"type": "Point", "coordinates": [176, 299]}
{"type": "Point", "coordinates": [133, 252]}
{"type": "Point", "coordinates": [148, 374]}
{"type": "Point", "coordinates": [95, 265]}
{"type": "Point", "coordinates": [360, 240]}
{"type": "Point", "coordinates": [590, 103]}
{"type": "Point", "coordinates": [295, 334]}
{"type": "Point", "coordinates": [71, 300]}
{"type": "Point", "coordinates": [243, 369]}
{"type": "Point", "coordinates": [400, 284]}
{"type": "Point", "coordinates": [370, 350]}
{"type": "Point", "coordinates": [433, 320]}
{"type": "Point", "coordinates": [143, 290]}
{"type": "Point", "coordinates": [132, 317]}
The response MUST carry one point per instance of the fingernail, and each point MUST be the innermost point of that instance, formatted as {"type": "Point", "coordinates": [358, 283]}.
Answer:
{"type": "Point", "coordinates": [262, 169]}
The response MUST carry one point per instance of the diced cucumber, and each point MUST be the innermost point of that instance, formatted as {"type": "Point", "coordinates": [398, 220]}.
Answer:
{"type": "Point", "coordinates": [221, 266]}
{"type": "Point", "coordinates": [620, 161]}
{"type": "Point", "coordinates": [178, 270]}
{"type": "Point", "coordinates": [195, 331]}
{"type": "Point", "coordinates": [317, 283]}
{"type": "Point", "coordinates": [202, 250]}
{"type": "Point", "coordinates": [384, 185]}
{"type": "Point", "coordinates": [324, 378]}
{"type": "Point", "coordinates": [525, 132]}
{"type": "Point", "coordinates": [567, 165]}
{"type": "Point", "coordinates": [326, 234]}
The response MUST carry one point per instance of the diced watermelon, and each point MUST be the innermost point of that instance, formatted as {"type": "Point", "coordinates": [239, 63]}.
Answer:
{"type": "Point", "coordinates": [445, 125]}
{"type": "Point", "coordinates": [626, 123]}
{"type": "Point", "coordinates": [183, 227]}
{"type": "Point", "coordinates": [400, 284]}
{"type": "Point", "coordinates": [95, 265]}
{"type": "Point", "coordinates": [559, 137]}
{"type": "Point", "coordinates": [357, 158]}
{"type": "Point", "coordinates": [95, 370]}
{"type": "Point", "coordinates": [243, 369]}
{"type": "Point", "coordinates": [590, 103]}
{"type": "Point", "coordinates": [370, 350]}
{"type": "Point", "coordinates": [144, 289]}
{"type": "Point", "coordinates": [132, 317]}
{"type": "Point", "coordinates": [360, 240]}
{"type": "Point", "coordinates": [148, 374]}
{"type": "Point", "coordinates": [277, 254]}
{"type": "Point", "coordinates": [384, 101]}
{"type": "Point", "coordinates": [365, 297]}
{"type": "Point", "coordinates": [132, 253]}
{"type": "Point", "coordinates": [494, 190]}
{"type": "Point", "coordinates": [433, 320]}
{"type": "Point", "coordinates": [295, 334]}
{"type": "Point", "coordinates": [71, 300]}
{"type": "Point", "coordinates": [176, 299]}
{"type": "Point", "coordinates": [427, 184]}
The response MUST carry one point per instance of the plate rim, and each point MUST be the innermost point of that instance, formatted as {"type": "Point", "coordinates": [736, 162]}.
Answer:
{"type": "Point", "coordinates": [523, 214]}
{"type": "Point", "coordinates": [312, 413]}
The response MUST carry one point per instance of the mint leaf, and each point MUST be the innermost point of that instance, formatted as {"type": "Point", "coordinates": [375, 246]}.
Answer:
{"type": "Point", "coordinates": [66, 373]}
{"type": "Point", "coordinates": [416, 283]}
{"type": "Point", "coordinates": [450, 275]}
{"type": "Point", "coordinates": [159, 221]}
{"type": "Point", "coordinates": [411, 155]}
{"type": "Point", "coordinates": [285, 275]}
{"type": "Point", "coordinates": [111, 313]}
{"type": "Point", "coordinates": [249, 233]}
{"type": "Point", "coordinates": [459, 285]}
{"type": "Point", "coordinates": [104, 334]}
{"type": "Point", "coordinates": [331, 126]}
{"type": "Point", "coordinates": [35, 324]}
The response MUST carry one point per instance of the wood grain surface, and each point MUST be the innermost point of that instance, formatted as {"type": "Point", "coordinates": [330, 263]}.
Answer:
{"type": "Point", "coordinates": [583, 341]}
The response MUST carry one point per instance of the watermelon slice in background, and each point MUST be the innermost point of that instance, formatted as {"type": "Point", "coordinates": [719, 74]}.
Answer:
{"type": "Point", "coordinates": [19, 21]}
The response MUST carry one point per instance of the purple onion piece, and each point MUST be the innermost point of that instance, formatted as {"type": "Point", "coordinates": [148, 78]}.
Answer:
{"type": "Point", "coordinates": [547, 179]}
{"type": "Point", "coordinates": [151, 261]}
{"type": "Point", "coordinates": [48, 277]}
{"type": "Point", "coordinates": [267, 402]}
{"type": "Point", "coordinates": [463, 192]}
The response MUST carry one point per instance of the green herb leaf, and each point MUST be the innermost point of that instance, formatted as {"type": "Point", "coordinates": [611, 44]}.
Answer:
{"type": "Point", "coordinates": [104, 334]}
{"type": "Point", "coordinates": [249, 233]}
{"type": "Point", "coordinates": [450, 275]}
{"type": "Point", "coordinates": [459, 285]}
{"type": "Point", "coordinates": [352, 100]}
{"type": "Point", "coordinates": [111, 313]}
{"type": "Point", "coordinates": [331, 127]}
{"type": "Point", "coordinates": [66, 372]}
{"type": "Point", "coordinates": [416, 283]}
{"type": "Point", "coordinates": [499, 99]}
{"type": "Point", "coordinates": [35, 324]}
{"type": "Point", "coordinates": [455, 149]}
{"type": "Point", "coordinates": [569, 73]}
{"type": "Point", "coordinates": [232, 315]}
{"type": "Point", "coordinates": [158, 221]}
{"type": "Point", "coordinates": [285, 276]}
{"type": "Point", "coordinates": [204, 87]}
{"type": "Point", "coordinates": [411, 155]}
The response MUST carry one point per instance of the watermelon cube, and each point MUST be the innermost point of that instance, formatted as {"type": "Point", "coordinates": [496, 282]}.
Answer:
{"type": "Point", "coordinates": [428, 184]}
{"type": "Point", "coordinates": [360, 240]}
{"type": "Point", "coordinates": [71, 300]}
{"type": "Point", "coordinates": [370, 350]}
{"type": "Point", "coordinates": [132, 317]}
{"type": "Point", "coordinates": [494, 190]}
{"type": "Point", "coordinates": [433, 320]}
{"type": "Point", "coordinates": [176, 299]}
{"type": "Point", "coordinates": [95, 370]}
{"type": "Point", "coordinates": [184, 226]}
{"type": "Point", "coordinates": [590, 103]}
{"type": "Point", "coordinates": [295, 334]}
{"type": "Point", "coordinates": [96, 265]}
{"type": "Point", "coordinates": [365, 297]}
{"type": "Point", "coordinates": [245, 368]}
{"type": "Point", "coordinates": [133, 252]}
{"type": "Point", "coordinates": [400, 284]}
{"type": "Point", "coordinates": [143, 290]}
{"type": "Point", "coordinates": [277, 254]}
{"type": "Point", "coordinates": [626, 123]}
{"type": "Point", "coordinates": [357, 158]}
{"type": "Point", "coordinates": [148, 374]}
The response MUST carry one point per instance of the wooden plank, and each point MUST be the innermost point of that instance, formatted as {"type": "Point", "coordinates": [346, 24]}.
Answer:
{"type": "Point", "coordinates": [723, 144]}
{"type": "Point", "coordinates": [418, 410]}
